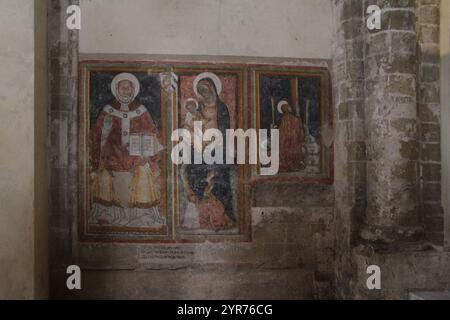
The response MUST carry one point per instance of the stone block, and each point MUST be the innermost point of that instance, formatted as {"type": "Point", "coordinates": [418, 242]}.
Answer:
{"type": "Point", "coordinates": [377, 44]}
{"type": "Point", "coordinates": [434, 224]}
{"type": "Point", "coordinates": [351, 9]}
{"type": "Point", "coordinates": [352, 28]}
{"type": "Point", "coordinates": [356, 150]}
{"type": "Point", "coordinates": [428, 34]}
{"type": "Point", "coordinates": [292, 195]}
{"type": "Point", "coordinates": [402, 63]}
{"type": "Point", "coordinates": [430, 152]}
{"type": "Point", "coordinates": [431, 191]}
{"type": "Point", "coordinates": [430, 132]}
{"type": "Point", "coordinates": [398, 19]}
{"type": "Point", "coordinates": [428, 14]}
{"type": "Point", "coordinates": [403, 42]}
{"type": "Point", "coordinates": [430, 112]}
{"type": "Point", "coordinates": [429, 73]}
{"type": "Point", "coordinates": [107, 256]}
{"type": "Point", "coordinates": [429, 53]}
{"type": "Point", "coordinates": [409, 150]}
{"type": "Point", "coordinates": [431, 171]}
{"type": "Point", "coordinates": [270, 233]}
{"type": "Point", "coordinates": [402, 85]}
{"type": "Point", "coordinates": [429, 93]}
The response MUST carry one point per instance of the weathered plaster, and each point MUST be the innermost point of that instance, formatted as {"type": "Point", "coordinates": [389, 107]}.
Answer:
{"type": "Point", "coordinates": [286, 28]}
{"type": "Point", "coordinates": [23, 231]}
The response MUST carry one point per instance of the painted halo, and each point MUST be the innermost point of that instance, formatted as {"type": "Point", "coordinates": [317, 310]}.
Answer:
{"type": "Point", "coordinates": [208, 75]}
{"type": "Point", "coordinates": [280, 104]}
{"type": "Point", "coordinates": [125, 76]}
{"type": "Point", "coordinates": [189, 100]}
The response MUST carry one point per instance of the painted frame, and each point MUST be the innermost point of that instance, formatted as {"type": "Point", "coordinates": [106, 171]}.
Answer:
{"type": "Point", "coordinates": [325, 103]}
{"type": "Point", "coordinates": [243, 202]}
{"type": "Point", "coordinates": [169, 105]}
{"type": "Point", "coordinates": [88, 232]}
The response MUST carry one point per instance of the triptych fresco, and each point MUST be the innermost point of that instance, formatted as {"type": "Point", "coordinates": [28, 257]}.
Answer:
{"type": "Point", "coordinates": [129, 188]}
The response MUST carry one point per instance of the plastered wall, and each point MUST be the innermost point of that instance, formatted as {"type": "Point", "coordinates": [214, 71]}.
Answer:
{"type": "Point", "coordinates": [23, 231]}
{"type": "Point", "coordinates": [285, 28]}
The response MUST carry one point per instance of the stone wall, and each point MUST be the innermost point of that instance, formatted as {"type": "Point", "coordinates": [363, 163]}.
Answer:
{"type": "Point", "coordinates": [401, 214]}
{"type": "Point", "coordinates": [291, 255]}
{"type": "Point", "coordinates": [309, 241]}
{"type": "Point", "coordinates": [403, 270]}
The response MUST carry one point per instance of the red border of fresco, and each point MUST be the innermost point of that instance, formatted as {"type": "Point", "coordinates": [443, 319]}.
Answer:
{"type": "Point", "coordinates": [246, 236]}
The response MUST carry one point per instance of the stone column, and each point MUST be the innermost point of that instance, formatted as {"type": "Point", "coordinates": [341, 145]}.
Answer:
{"type": "Point", "coordinates": [444, 46]}
{"type": "Point", "coordinates": [391, 124]}
{"type": "Point", "coordinates": [350, 165]}
{"type": "Point", "coordinates": [62, 93]}
{"type": "Point", "coordinates": [429, 119]}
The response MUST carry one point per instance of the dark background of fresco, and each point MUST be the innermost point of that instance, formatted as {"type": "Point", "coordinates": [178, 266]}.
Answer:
{"type": "Point", "coordinates": [149, 94]}
{"type": "Point", "coordinates": [279, 88]}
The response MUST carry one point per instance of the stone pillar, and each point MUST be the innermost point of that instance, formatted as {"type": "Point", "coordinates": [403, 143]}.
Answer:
{"type": "Point", "coordinates": [391, 124]}
{"type": "Point", "coordinates": [429, 118]}
{"type": "Point", "coordinates": [444, 45]}
{"type": "Point", "coordinates": [350, 165]}
{"type": "Point", "coordinates": [62, 61]}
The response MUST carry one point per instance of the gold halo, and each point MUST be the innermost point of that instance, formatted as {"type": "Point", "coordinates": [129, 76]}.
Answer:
{"type": "Point", "coordinates": [280, 104]}
{"type": "Point", "coordinates": [208, 75]}
{"type": "Point", "coordinates": [125, 76]}
{"type": "Point", "coordinates": [189, 100]}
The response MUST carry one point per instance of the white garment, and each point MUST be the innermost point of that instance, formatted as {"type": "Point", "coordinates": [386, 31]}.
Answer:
{"type": "Point", "coordinates": [125, 217]}
{"type": "Point", "coordinates": [190, 219]}
{"type": "Point", "coordinates": [125, 117]}
{"type": "Point", "coordinates": [189, 118]}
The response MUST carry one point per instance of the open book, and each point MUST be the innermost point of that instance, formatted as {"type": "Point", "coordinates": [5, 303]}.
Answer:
{"type": "Point", "coordinates": [144, 145]}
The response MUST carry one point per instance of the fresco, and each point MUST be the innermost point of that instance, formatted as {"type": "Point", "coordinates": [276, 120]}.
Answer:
{"type": "Point", "coordinates": [208, 195]}
{"type": "Point", "coordinates": [123, 153]}
{"type": "Point", "coordinates": [129, 188]}
{"type": "Point", "coordinates": [297, 101]}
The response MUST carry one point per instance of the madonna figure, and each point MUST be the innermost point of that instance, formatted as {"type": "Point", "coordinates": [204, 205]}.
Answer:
{"type": "Point", "coordinates": [208, 187]}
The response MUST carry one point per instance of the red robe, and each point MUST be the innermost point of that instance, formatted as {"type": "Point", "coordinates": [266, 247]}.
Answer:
{"type": "Point", "coordinates": [291, 143]}
{"type": "Point", "coordinates": [212, 215]}
{"type": "Point", "coordinates": [112, 154]}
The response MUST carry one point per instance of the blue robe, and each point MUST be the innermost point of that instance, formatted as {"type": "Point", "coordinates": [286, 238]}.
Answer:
{"type": "Point", "coordinates": [197, 173]}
